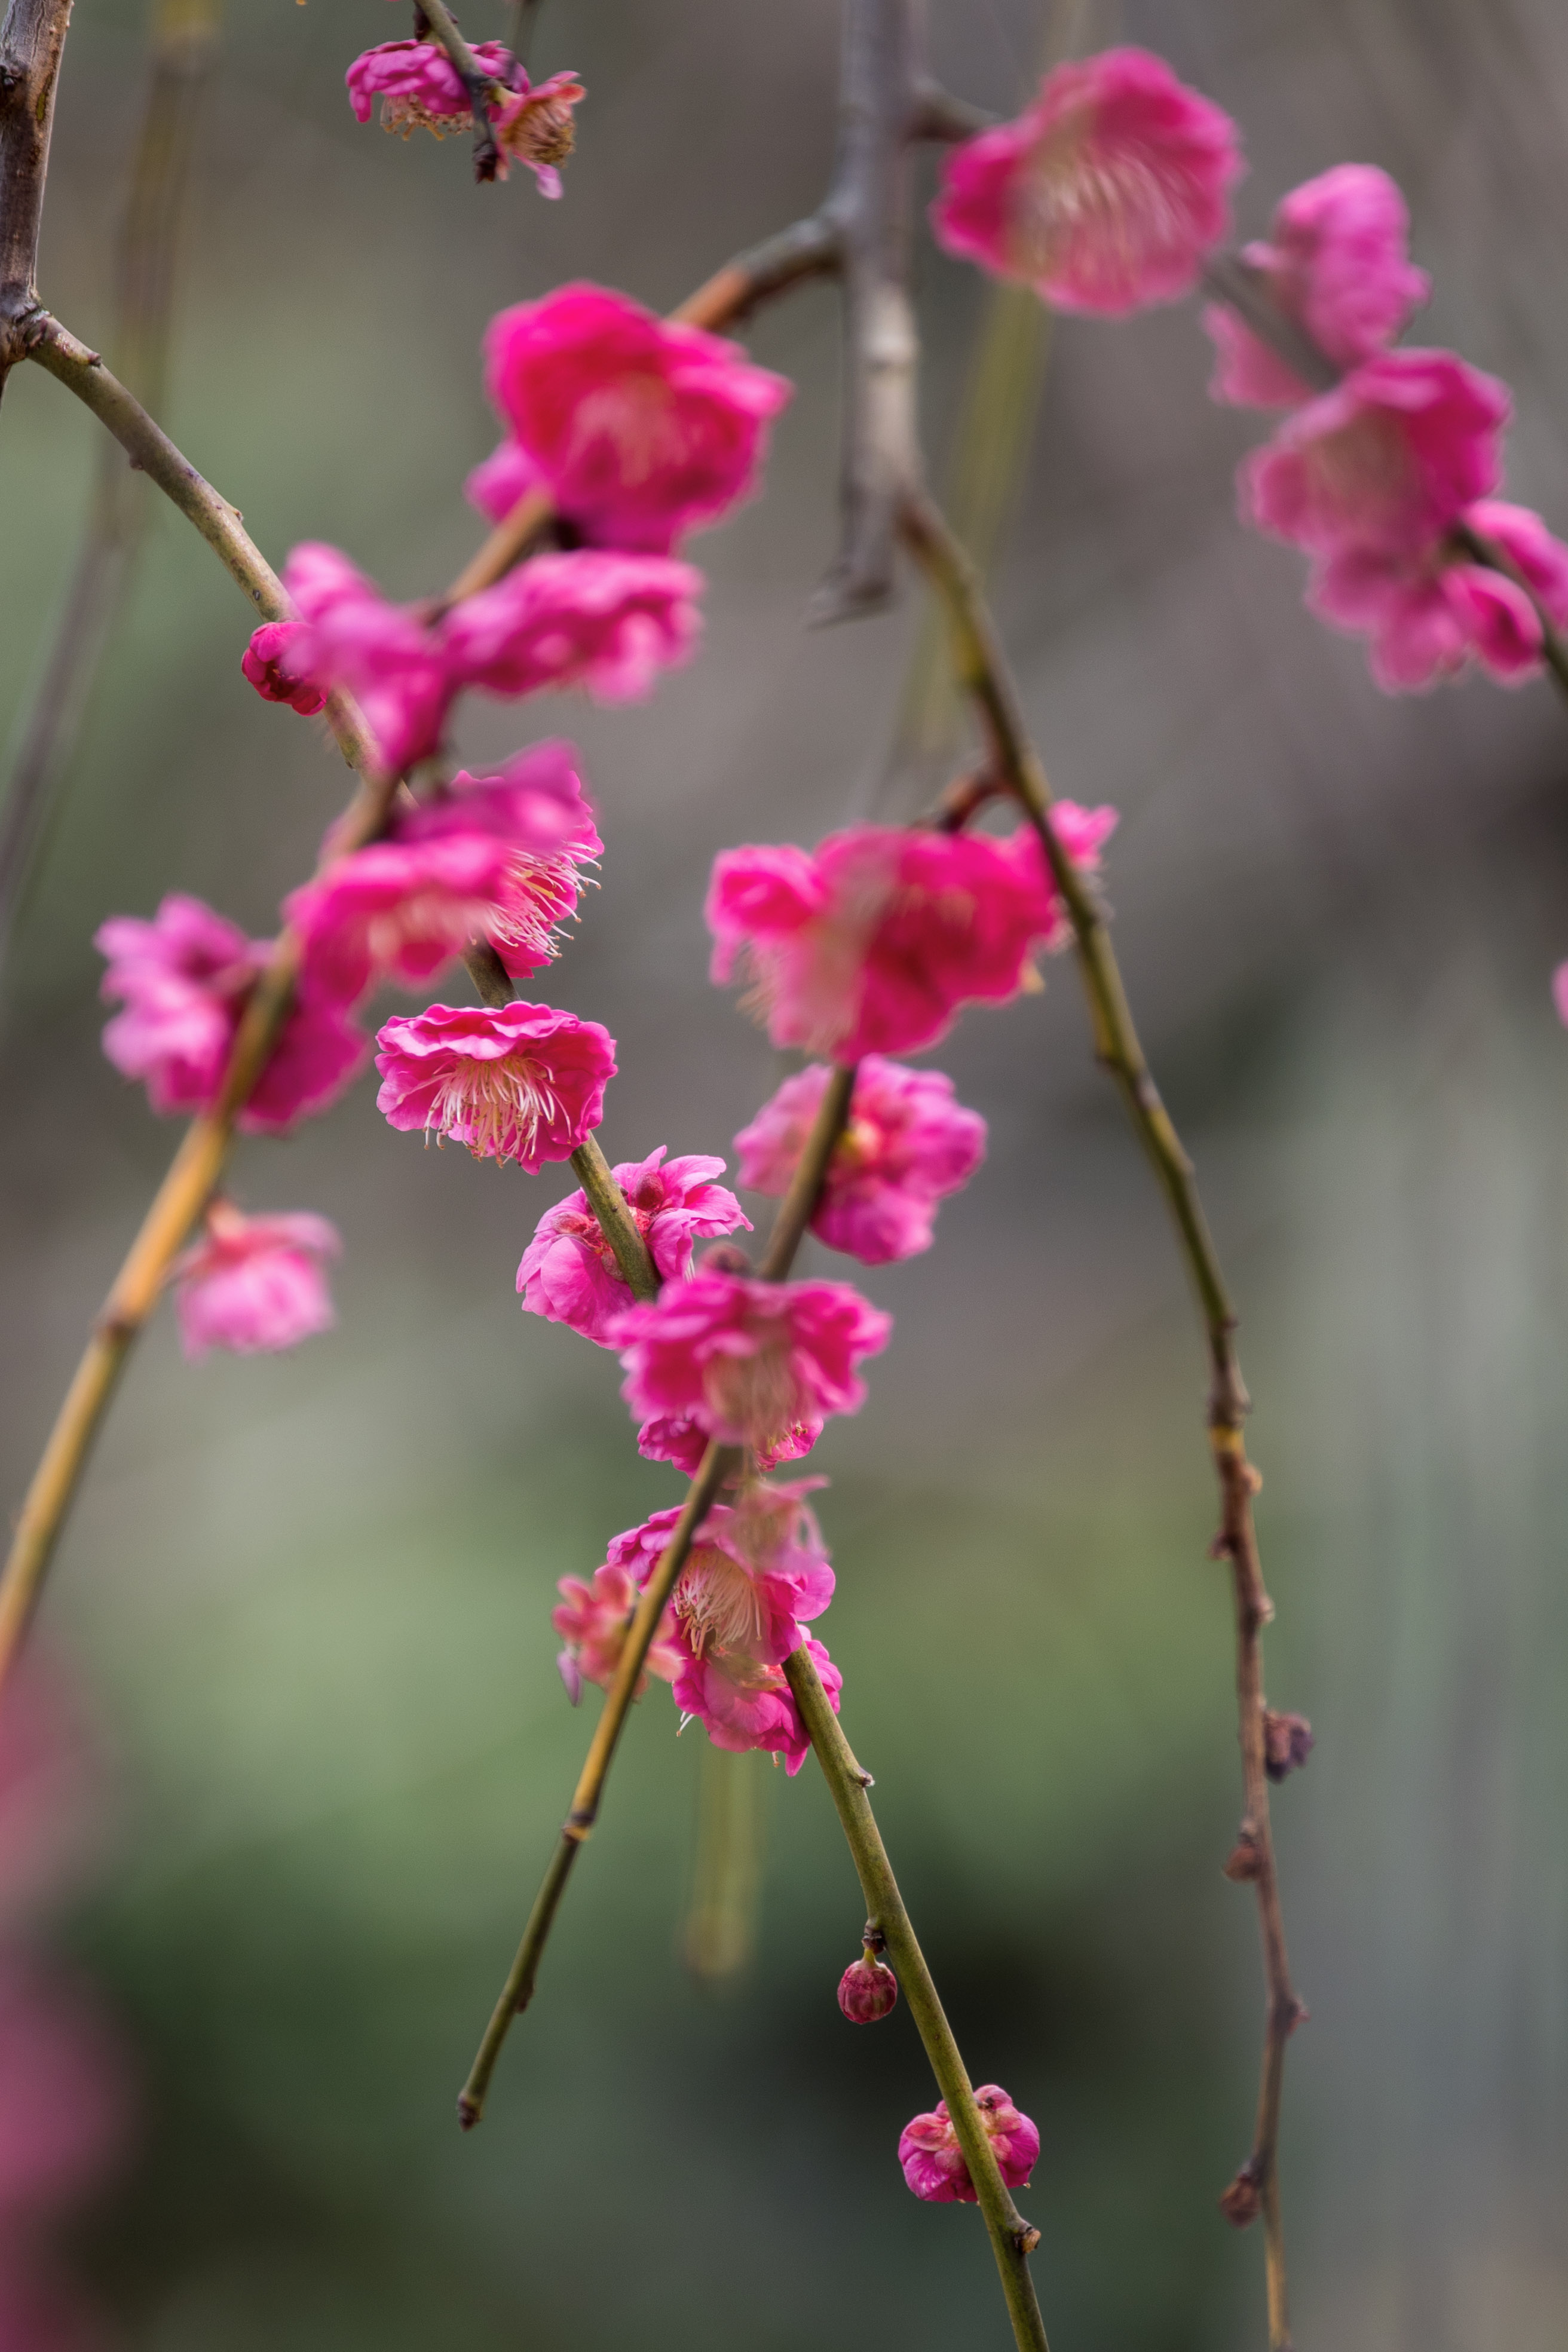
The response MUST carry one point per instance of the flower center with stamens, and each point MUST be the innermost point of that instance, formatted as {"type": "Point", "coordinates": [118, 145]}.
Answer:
{"type": "Point", "coordinates": [758, 1394]}
{"type": "Point", "coordinates": [718, 1602]}
{"type": "Point", "coordinates": [498, 1106]}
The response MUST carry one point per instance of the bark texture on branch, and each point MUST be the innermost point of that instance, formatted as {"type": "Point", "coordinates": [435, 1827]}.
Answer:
{"type": "Point", "coordinates": [32, 41]}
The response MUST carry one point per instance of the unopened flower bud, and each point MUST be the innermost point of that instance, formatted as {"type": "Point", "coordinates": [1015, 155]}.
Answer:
{"type": "Point", "coordinates": [1287, 1743]}
{"type": "Point", "coordinates": [867, 1989]}
{"type": "Point", "coordinates": [1242, 2201]}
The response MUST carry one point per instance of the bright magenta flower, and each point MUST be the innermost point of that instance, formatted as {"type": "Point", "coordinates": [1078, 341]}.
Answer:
{"type": "Point", "coordinates": [183, 979]}
{"type": "Point", "coordinates": [518, 1082]}
{"type": "Point", "coordinates": [1106, 194]}
{"type": "Point", "coordinates": [593, 1620]}
{"type": "Point", "coordinates": [255, 1284]}
{"type": "Point", "coordinates": [270, 661]}
{"type": "Point", "coordinates": [1429, 614]}
{"type": "Point", "coordinates": [676, 1438]}
{"type": "Point", "coordinates": [639, 430]}
{"type": "Point", "coordinates": [609, 623]}
{"type": "Point", "coordinates": [1338, 264]}
{"type": "Point", "coordinates": [569, 1273]}
{"type": "Point", "coordinates": [753, 1363]}
{"type": "Point", "coordinates": [393, 666]}
{"type": "Point", "coordinates": [906, 1146]}
{"type": "Point", "coordinates": [418, 86]}
{"type": "Point", "coordinates": [872, 942]}
{"type": "Point", "coordinates": [933, 2161]}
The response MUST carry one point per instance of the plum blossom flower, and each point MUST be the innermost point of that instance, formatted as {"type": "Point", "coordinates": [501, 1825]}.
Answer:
{"type": "Point", "coordinates": [933, 2161]}
{"type": "Point", "coordinates": [1106, 194]}
{"type": "Point", "coordinates": [534, 126]}
{"type": "Point", "coordinates": [753, 1363]}
{"type": "Point", "coordinates": [518, 1082]}
{"type": "Point", "coordinates": [255, 1284]}
{"type": "Point", "coordinates": [907, 1144]}
{"type": "Point", "coordinates": [677, 1439]}
{"type": "Point", "coordinates": [637, 430]}
{"type": "Point", "coordinates": [419, 86]}
{"type": "Point", "coordinates": [569, 1273]}
{"type": "Point", "coordinates": [871, 943]}
{"type": "Point", "coordinates": [394, 667]}
{"type": "Point", "coordinates": [270, 663]}
{"type": "Point", "coordinates": [609, 623]}
{"type": "Point", "coordinates": [184, 980]}
{"type": "Point", "coordinates": [593, 1620]}
{"type": "Point", "coordinates": [1338, 266]}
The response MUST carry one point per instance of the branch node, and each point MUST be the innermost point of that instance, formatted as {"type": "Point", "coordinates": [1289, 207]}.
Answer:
{"type": "Point", "coordinates": [1027, 2238]}
{"type": "Point", "coordinates": [1243, 2202]}
{"type": "Point", "coordinates": [1245, 1860]}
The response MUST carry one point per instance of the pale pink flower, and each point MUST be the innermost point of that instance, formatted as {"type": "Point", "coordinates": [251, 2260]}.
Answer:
{"type": "Point", "coordinates": [1338, 266]}
{"type": "Point", "coordinates": [394, 667]}
{"type": "Point", "coordinates": [184, 980]}
{"type": "Point", "coordinates": [270, 663]}
{"type": "Point", "coordinates": [639, 430]}
{"type": "Point", "coordinates": [534, 126]}
{"type": "Point", "coordinates": [753, 1362]}
{"type": "Point", "coordinates": [1106, 194]}
{"type": "Point", "coordinates": [518, 1082]}
{"type": "Point", "coordinates": [907, 1144]}
{"type": "Point", "coordinates": [933, 2162]}
{"type": "Point", "coordinates": [594, 1620]}
{"type": "Point", "coordinates": [1387, 461]}
{"type": "Point", "coordinates": [418, 86]}
{"type": "Point", "coordinates": [867, 1989]}
{"type": "Point", "coordinates": [569, 1273]}
{"type": "Point", "coordinates": [606, 621]}
{"type": "Point", "coordinates": [255, 1284]}
{"type": "Point", "coordinates": [872, 942]}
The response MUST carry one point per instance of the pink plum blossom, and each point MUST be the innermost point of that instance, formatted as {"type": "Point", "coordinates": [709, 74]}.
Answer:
{"type": "Point", "coordinates": [933, 2161]}
{"type": "Point", "coordinates": [753, 1363]}
{"type": "Point", "coordinates": [534, 126]}
{"type": "Point", "coordinates": [255, 1284]}
{"type": "Point", "coordinates": [270, 661]}
{"type": "Point", "coordinates": [606, 622]}
{"type": "Point", "coordinates": [499, 480]}
{"type": "Point", "coordinates": [677, 1439]}
{"type": "Point", "coordinates": [1106, 194]}
{"type": "Point", "coordinates": [1560, 993]}
{"type": "Point", "coordinates": [867, 1989]}
{"type": "Point", "coordinates": [569, 1273]}
{"type": "Point", "coordinates": [184, 980]}
{"type": "Point", "coordinates": [637, 430]}
{"type": "Point", "coordinates": [394, 667]}
{"type": "Point", "coordinates": [1338, 266]}
{"type": "Point", "coordinates": [418, 84]}
{"type": "Point", "coordinates": [907, 1144]}
{"type": "Point", "coordinates": [872, 942]}
{"type": "Point", "coordinates": [593, 1620]}
{"type": "Point", "coordinates": [518, 1082]}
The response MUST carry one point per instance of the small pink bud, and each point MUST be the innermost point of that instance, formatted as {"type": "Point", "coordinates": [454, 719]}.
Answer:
{"type": "Point", "coordinates": [867, 1989]}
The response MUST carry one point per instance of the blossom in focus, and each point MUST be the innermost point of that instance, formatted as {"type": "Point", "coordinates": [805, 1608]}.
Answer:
{"type": "Point", "coordinates": [592, 1620]}
{"type": "Point", "coordinates": [867, 1989]}
{"type": "Point", "coordinates": [1338, 266]}
{"type": "Point", "coordinates": [753, 1363]}
{"type": "Point", "coordinates": [254, 1285]}
{"type": "Point", "coordinates": [182, 979]}
{"type": "Point", "coordinates": [269, 661]}
{"type": "Point", "coordinates": [933, 2162]}
{"type": "Point", "coordinates": [606, 622]}
{"type": "Point", "coordinates": [384, 655]}
{"type": "Point", "coordinates": [520, 1081]}
{"type": "Point", "coordinates": [871, 943]}
{"type": "Point", "coordinates": [534, 126]}
{"type": "Point", "coordinates": [907, 1144]}
{"type": "Point", "coordinates": [1106, 194]}
{"type": "Point", "coordinates": [637, 430]}
{"type": "Point", "coordinates": [569, 1273]}
{"type": "Point", "coordinates": [419, 86]}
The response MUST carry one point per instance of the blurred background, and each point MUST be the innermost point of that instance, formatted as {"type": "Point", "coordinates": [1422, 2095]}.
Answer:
{"type": "Point", "coordinates": [303, 1604]}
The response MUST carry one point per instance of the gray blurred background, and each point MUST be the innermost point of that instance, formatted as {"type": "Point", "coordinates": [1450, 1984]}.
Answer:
{"type": "Point", "coordinates": [309, 1598]}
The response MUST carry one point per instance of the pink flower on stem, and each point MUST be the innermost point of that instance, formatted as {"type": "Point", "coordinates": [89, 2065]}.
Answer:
{"type": "Point", "coordinates": [933, 2161]}
{"type": "Point", "coordinates": [753, 1363]}
{"type": "Point", "coordinates": [270, 661]}
{"type": "Point", "coordinates": [1106, 194]}
{"type": "Point", "coordinates": [518, 1082]}
{"type": "Point", "coordinates": [594, 1620]}
{"type": "Point", "coordinates": [906, 1146]}
{"type": "Point", "coordinates": [255, 1284]}
{"type": "Point", "coordinates": [394, 667]}
{"type": "Point", "coordinates": [184, 980]}
{"type": "Point", "coordinates": [1338, 266]}
{"type": "Point", "coordinates": [872, 942]}
{"type": "Point", "coordinates": [534, 127]}
{"type": "Point", "coordinates": [867, 1989]}
{"type": "Point", "coordinates": [637, 430]}
{"type": "Point", "coordinates": [569, 1273]}
{"type": "Point", "coordinates": [606, 621]}
{"type": "Point", "coordinates": [418, 86]}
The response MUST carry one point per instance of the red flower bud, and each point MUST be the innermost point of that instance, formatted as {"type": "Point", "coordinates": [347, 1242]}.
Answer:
{"type": "Point", "coordinates": [868, 1990]}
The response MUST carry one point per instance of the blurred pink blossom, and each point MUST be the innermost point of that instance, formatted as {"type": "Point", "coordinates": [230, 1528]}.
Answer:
{"type": "Point", "coordinates": [520, 1081]}
{"type": "Point", "coordinates": [534, 127]}
{"type": "Point", "coordinates": [606, 621]}
{"type": "Point", "coordinates": [386, 657]}
{"type": "Point", "coordinates": [933, 2161]}
{"type": "Point", "coordinates": [1106, 194]}
{"type": "Point", "coordinates": [594, 1619]}
{"type": "Point", "coordinates": [906, 1146]}
{"type": "Point", "coordinates": [569, 1273]}
{"type": "Point", "coordinates": [270, 661]}
{"type": "Point", "coordinates": [255, 1284]}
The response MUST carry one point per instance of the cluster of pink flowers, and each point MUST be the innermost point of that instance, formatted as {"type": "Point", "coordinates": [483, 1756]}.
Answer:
{"type": "Point", "coordinates": [420, 89]}
{"type": "Point", "coordinates": [569, 1273]}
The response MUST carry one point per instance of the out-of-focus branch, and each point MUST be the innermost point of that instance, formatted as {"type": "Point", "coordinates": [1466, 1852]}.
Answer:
{"type": "Point", "coordinates": [184, 43]}
{"type": "Point", "coordinates": [32, 40]}
{"type": "Point", "coordinates": [719, 1935]}
{"type": "Point", "coordinates": [982, 669]}
{"type": "Point", "coordinates": [1011, 2238]}
{"type": "Point", "coordinates": [436, 20]}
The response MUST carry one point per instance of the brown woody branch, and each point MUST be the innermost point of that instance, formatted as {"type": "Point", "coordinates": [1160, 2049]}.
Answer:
{"type": "Point", "coordinates": [32, 41]}
{"type": "Point", "coordinates": [434, 21]}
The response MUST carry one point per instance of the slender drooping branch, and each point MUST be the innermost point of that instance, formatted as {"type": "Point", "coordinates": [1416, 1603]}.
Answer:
{"type": "Point", "coordinates": [1011, 2238]}
{"type": "Point", "coordinates": [719, 1463]}
{"type": "Point", "coordinates": [32, 41]}
{"type": "Point", "coordinates": [984, 671]}
{"type": "Point", "coordinates": [434, 19]}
